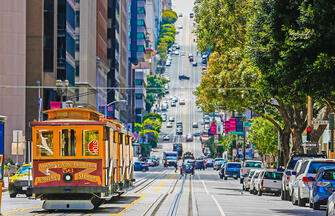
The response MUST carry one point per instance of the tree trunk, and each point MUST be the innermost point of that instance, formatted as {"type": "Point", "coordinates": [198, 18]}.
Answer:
{"type": "Point", "coordinates": [297, 141]}
{"type": "Point", "coordinates": [284, 146]}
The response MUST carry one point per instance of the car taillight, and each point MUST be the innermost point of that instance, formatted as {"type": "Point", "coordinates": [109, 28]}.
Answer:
{"type": "Point", "coordinates": [262, 182]}
{"type": "Point", "coordinates": [305, 180]}
{"type": "Point", "coordinates": [249, 180]}
{"type": "Point", "coordinates": [322, 184]}
{"type": "Point", "coordinates": [288, 177]}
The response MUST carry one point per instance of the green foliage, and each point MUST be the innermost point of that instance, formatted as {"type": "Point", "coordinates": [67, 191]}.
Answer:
{"type": "Point", "coordinates": [169, 17]}
{"type": "Point", "coordinates": [264, 136]}
{"type": "Point", "coordinates": [154, 125]}
{"type": "Point", "coordinates": [155, 89]}
{"type": "Point", "coordinates": [167, 28]}
{"type": "Point", "coordinates": [169, 40]}
{"type": "Point", "coordinates": [153, 115]}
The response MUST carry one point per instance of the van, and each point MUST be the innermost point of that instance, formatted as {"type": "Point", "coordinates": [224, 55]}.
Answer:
{"type": "Point", "coordinates": [21, 182]}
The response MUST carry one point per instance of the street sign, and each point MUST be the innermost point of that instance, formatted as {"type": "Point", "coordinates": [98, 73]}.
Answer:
{"type": "Point", "coordinates": [246, 124]}
{"type": "Point", "coordinates": [310, 144]}
{"type": "Point", "coordinates": [320, 122]}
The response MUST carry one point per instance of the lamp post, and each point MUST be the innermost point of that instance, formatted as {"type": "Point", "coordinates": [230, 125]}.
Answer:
{"type": "Point", "coordinates": [111, 103]}
{"type": "Point", "coordinates": [39, 100]}
{"type": "Point", "coordinates": [60, 88]}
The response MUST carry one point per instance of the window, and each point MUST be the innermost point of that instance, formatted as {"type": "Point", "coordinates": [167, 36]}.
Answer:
{"type": "Point", "coordinates": [140, 35]}
{"type": "Point", "coordinates": [273, 175]}
{"type": "Point", "coordinates": [140, 48]}
{"type": "Point", "coordinates": [44, 142]}
{"type": "Point", "coordinates": [67, 139]}
{"type": "Point", "coordinates": [140, 10]}
{"type": "Point", "coordinates": [140, 22]}
{"type": "Point", "coordinates": [315, 166]}
{"type": "Point", "coordinates": [90, 142]}
{"type": "Point", "coordinates": [138, 96]}
{"type": "Point", "coordinates": [138, 82]}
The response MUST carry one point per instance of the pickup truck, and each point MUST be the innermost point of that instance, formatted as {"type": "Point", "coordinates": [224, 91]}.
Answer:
{"type": "Point", "coordinates": [269, 181]}
{"type": "Point", "coordinates": [231, 169]}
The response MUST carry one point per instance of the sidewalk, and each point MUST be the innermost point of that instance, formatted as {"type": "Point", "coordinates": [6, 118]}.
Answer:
{"type": "Point", "coordinates": [5, 184]}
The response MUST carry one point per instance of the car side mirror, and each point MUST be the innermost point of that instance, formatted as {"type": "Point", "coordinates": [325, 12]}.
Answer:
{"type": "Point", "coordinates": [288, 173]}
{"type": "Point", "coordinates": [294, 173]}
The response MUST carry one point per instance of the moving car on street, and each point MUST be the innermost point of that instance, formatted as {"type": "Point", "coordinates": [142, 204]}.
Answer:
{"type": "Point", "coordinates": [179, 124]}
{"type": "Point", "coordinates": [141, 166]}
{"type": "Point", "coordinates": [166, 138]}
{"type": "Point", "coordinates": [21, 182]}
{"type": "Point", "coordinates": [218, 163]}
{"type": "Point", "coordinates": [182, 102]}
{"type": "Point", "coordinates": [170, 158]}
{"type": "Point", "coordinates": [179, 131]}
{"type": "Point", "coordinates": [189, 138]}
{"type": "Point", "coordinates": [187, 169]}
{"type": "Point", "coordinates": [182, 77]}
{"type": "Point", "coordinates": [169, 125]}
{"type": "Point", "coordinates": [195, 125]}
{"type": "Point", "coordinates": [171, 119]}
{"type": "Point", "coordinates": [194, 64]}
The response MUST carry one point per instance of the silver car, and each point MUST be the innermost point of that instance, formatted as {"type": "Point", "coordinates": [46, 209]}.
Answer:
{"type": "Point", "coordinates": [331, 205]}
{"type": "Point", "coordinates": [247, 180]}
{"type": "Point", "coordinates": [293, 176]}
{"type": "Point", "coordinates": [304, 180]}
{"type": "Point", "coordinates": [252, 188]}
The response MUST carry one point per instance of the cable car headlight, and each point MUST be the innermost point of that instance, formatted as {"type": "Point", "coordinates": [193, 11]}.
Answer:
{"type": "Point", "coordinates": [67, 177]}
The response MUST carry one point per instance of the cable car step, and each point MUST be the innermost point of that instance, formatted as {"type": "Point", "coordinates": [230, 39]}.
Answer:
{"type": "Point", "coordinates": [68, 205]}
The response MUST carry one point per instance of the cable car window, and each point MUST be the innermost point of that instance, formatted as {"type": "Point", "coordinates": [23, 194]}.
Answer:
{"type": "Point", "coordinates": [44, 143]}
{"type": "Point", "coordinates": [90, 142]}
{"type": "Point", "coordinates": [67, 138]}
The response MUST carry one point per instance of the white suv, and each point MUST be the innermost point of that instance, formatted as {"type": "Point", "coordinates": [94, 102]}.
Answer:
{"type": "Point", "coordinates": [247, 166]}
{"type": "Point", "coordinates": [304, 180]}
{"type": "Point", "coordinates": [293, 177]}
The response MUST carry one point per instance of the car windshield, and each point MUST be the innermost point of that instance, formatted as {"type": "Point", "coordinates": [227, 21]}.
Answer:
{"type": "Point", "coordinates": [219, 159]}
{"type": "Point", "coordinates": [292, 163]}
{"type": "Point", "coordinates": [315, 166]}
{"type": "Point", "coordinates": [24, 170]}
{"type": "Point", "coordinates": [171, 158]}
{"type": "Point", "coordinates": [233, 165]}
{"type": "Point", "coordinates": [329, 175]}
{"type": "Point", "coordinates": [253, 164]}
{"type": "Point", "coordinates": [273, 175]}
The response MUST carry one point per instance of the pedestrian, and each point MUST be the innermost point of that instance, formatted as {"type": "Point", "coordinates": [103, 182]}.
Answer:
{"type": "Point", "coordinates": [176, 167]}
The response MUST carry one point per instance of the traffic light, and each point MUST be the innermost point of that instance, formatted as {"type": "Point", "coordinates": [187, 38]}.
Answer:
{"type": "Point", "coordinates": [309, 131]}
{"type": "Point", "coordinates": [217, 147]}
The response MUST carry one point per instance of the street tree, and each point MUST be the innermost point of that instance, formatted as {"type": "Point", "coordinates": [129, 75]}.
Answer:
{"type": "Point", "coordinates": [169, 17]}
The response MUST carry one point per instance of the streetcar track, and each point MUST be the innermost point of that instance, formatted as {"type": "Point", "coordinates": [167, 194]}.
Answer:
{"type": "Point", "coordinates": [175, 203]}
{"type": "Point", "coordinates": [150, 207]}
{"type": "Point", "coordinates": [190, 197]}
{"type": "Point", "coordinates": [150, 182]}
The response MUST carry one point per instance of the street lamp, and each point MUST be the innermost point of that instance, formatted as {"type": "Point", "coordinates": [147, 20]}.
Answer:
{"type": "Point", "coordinates": [60, 88]}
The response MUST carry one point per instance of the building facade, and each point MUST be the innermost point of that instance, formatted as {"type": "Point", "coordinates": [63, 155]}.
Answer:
{"type": "Point", "coordinates": [13, 67]}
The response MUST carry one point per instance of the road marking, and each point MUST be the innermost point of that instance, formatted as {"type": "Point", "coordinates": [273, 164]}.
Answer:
{"type": "Point", "coordinates": [203, 183]}
{"type": "Point", "coordinates": [163, 183]}
{"type": "Point", "coordinates": [127, 206]}
{"type": "Point", "coordinates": [219, 207]}
{"type": "Point", "coordinates": [19, 210]}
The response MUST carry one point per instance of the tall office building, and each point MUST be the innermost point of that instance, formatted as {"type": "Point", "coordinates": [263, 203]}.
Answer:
{"type": "Point", "coordinates": [13, 69]}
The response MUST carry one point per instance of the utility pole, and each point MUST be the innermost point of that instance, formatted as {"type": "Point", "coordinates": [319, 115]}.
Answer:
{"type": "Point", "coordinates": [309, 111]}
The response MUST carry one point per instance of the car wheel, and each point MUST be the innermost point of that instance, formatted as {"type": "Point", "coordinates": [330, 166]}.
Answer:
{"type": "Point", "coordinates": [282, 194]}
{"type": "Point", "coordinates": [294, 201]}
{"type": "Point", "coordinates": [301, 202]}
{"type": "Point", "coordinates": [250, 191]}
{"type": "Point", "coordinates": [225, 178]}
{"type": "Point", "coordinates": [316, 206]}
{"type": "Point", "coordinates": [29, 194]}
{"type": "Point", "coordinates": [235, 178]}
{"type": "Point", "coordinates": [310, 203]}
{"type": "Point", "coordinates": [144, 169]}
{"type": "Point", "coordinates": [12, 195]}
{"type": "Point", "coordinates": [243, 188]}
{"type": "Point", "coordinates": [259, 193]}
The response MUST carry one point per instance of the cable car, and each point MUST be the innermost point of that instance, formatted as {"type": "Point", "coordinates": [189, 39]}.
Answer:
{"type": "Point", "coordinates": [80, 159]}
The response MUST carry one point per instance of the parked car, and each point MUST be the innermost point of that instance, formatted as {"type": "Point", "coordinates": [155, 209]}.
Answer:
{"type": "Point", "coordinates": [218, 163]}
{"type": "Point", "coordinates": [268, 181]}
{"type": "Point", "coordinates": [247, 165]}
{"type": "Point", "coordinates": [21, 182]}
{"type": "Point", "coordinates": [331, 205]}
{"type": "Point", "coordinates": [252, 188]}
{"type": "Point", "coordinates": [305, 179]}
{"type": "Point", "coordinates": [191, 15]}
{"type": "Point", "coordinates": [247, 180]}
{"type": "Point", "coordinates": [230, 169]}
{"type": "Point", "coordinates": [189, 138]}
{"type": "Point", "coordinates": [195, 125]}
{"type": "Point", "coordinates": [141, 166]}
{"type": "Point", "coordinates": [294, 157]}
{"type": "Point", "coordinates": [293, 177]}
{"type": "Point", "coordinates": [322, 187]}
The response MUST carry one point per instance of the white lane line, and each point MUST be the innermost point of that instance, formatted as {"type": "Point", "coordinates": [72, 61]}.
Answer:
{"type": "Point", "coordinates": [203, 183]}
{"type": "Point", "coordinates": [218, 205]}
